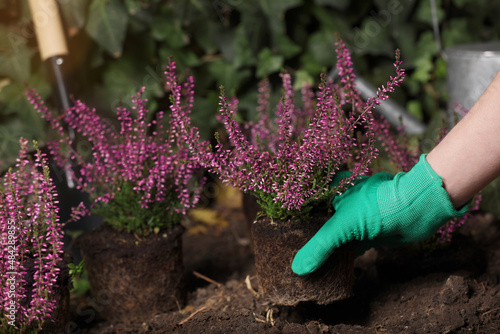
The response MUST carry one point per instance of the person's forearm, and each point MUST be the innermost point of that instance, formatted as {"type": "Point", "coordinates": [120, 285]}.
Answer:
{"type": "Point", "coordinates": [468, 158]}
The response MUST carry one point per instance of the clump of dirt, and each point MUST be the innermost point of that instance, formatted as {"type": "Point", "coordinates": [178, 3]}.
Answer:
{"type": "Point", "coordinates": [413, 289]}
{"type": "Point", "coordinates": [134, 278]}
{"type": "Point", "coordinates": [275, 244]}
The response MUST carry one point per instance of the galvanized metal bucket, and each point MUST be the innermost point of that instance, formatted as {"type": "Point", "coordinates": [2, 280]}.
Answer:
{"type": "Point", "coordinates": [471, 68]}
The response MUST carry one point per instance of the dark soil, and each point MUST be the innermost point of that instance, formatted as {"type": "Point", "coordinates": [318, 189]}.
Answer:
{"type": "Point", "coordinates": [275, 243]}
{"type": "Point", "coordinates": [414, 289]}
{"type": "Point", "coordinates": [134, 277]}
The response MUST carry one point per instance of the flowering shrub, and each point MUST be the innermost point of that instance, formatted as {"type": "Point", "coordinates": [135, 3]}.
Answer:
{"type": "Point", "coordinates": [289, 163]}
{"type": "Point", "coordinates": [140, 176]}
{"type": "Point", "coordinates": [31, 244]}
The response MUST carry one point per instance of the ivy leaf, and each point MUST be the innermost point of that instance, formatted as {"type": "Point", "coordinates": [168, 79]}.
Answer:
{"type": "Point", "coordinates": [119, 81]}
{"type": "Point", "coordinates": [372, 38]}
{"type": "Point", "coordinates": [170, 31]}
{"type": "Point", "coordinates": [13, 95]}
{"type": "Point", "coordinates": [242, 53]}
{"type": "Point", "coordinates": [198, 5]}
{"type": "Point", "coordinates": [18, 119]}
{"type": "Point", "coordinates": [424, 11]}
{"type": "Point", "coordinates": [107, 25]}
{"type": "Point", "coordinates": [74, 13]}
{"type": "Point", "coordinates": [286, 46]}
{"type": "Point", "coordinates": [247, 104]}
{"type": "Point", "coordinates": [457, 32]}
{"type": "Point", "coordinates": [256, 29]}
{"type": "Point", "coordinates": [205, 34]}
{"type": "Point", "coordinates": [15, 60]}
{"type": "Point", "coordinates": [277, 7]}
{"type": "Point", "coordinates": [414, 108]}
{"type": "Point", "coordinates": [422, 57]}
{"type": "Point", "coordinates": [461, 3]}
{"type": "Point", "coordinates": [311, 65]}
{"type": "Point", "coordinates": [204, 111]}
{"type": "Point", "coordinates": [268, 63]}
{"type": "Point", "coordinates": [122, 79]}
{"type": "Point", "coordinates": [321, 47]}
{"type": "Point", "coordinates": [133, 6]}
{"type": "Point", "coordinates": [225, 42]}
{"type": "Point", "coordinates": [441, 69]}
{"type": "Point", "coordinates": [184, 58]}
{"type": "Point", "coordinates": [405, 39]}
{"type": "Point", "coordinates": [424, 66]}
{"type": "Point", "coordinates": [275, 10]}
{"type": "Point", "coordinates": [16, 66]}
{"type": "Point", "coordinates": [337, 4]}
{"type": "Point", "coordinates": [332, 21]}
{"type": "Point", "coordinates": [227, 75]}
{"type": "Point", "coordinates": [426, 45]}
{"type": "Point", "coordinates": [301, 78]}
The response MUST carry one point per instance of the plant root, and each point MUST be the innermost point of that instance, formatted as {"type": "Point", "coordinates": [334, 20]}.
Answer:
{"type": "Point", "coordinates": [209, 280]}
{"type": "Point", "coordinates": [191, 316]}
{"type": "Point", "coordinates": [250, 288]}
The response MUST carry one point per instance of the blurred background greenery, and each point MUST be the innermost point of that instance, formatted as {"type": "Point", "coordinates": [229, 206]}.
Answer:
{"type": "Point", "coordinates": [117, 46]}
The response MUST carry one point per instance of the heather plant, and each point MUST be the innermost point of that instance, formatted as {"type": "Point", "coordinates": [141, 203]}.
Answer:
{"type": "Point", "coordinates": [31, 244]}
{"type": "Point", "coordinates": [140, 176]}
{"type": "Point", "coordinates": [288, 163]}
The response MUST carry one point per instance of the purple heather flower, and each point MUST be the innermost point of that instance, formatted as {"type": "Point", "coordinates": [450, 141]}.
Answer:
{"type": "Point", "coordinates": [396, 144]}
{"type": "Point", "coordinates": [446, 231]}
{"type": "Point", "coordinates": [141, 162]}
{"type": "Point", "coordinates": [289, 162]}
{"type": "Point", "coordinates": [30, 236]}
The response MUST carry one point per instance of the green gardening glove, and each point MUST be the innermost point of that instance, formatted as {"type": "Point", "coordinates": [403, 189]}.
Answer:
{"type": "Point", "coordinates": [382, 209]}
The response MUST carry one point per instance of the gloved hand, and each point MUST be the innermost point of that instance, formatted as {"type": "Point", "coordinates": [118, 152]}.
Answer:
{"type": "Point", "coordinates": [382, 210]}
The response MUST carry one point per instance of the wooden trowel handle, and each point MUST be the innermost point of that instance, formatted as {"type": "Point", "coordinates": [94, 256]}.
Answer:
{"type": "Point", "coordinates": [48, 28]}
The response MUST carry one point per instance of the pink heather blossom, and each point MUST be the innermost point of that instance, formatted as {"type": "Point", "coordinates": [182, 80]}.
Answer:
{"type": "Point", "coordinates": [396, 143]}
{"type": "Point", "coordinates": [446, 231]}
{"type": "Point", "coordinates": [28, 207]}
{"type": "Point", "coordinates": [289, 162]}
{"type": "Point", "coordinates": [140, 175]}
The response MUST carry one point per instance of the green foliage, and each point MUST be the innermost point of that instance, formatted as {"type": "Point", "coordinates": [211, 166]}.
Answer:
{"type": "Point", "coordinates": [16, 56]}
{"type": "Point", "coordinates": [107, 25]}
{"type": "Point", "coordinates": [75, 271]}
{"type": "Point", "coordinates": [79, 279]}
{"type": "Point", "coordinates": [268, 63]}
{"type": "Point", "coordinates": [236, 42]}
{"type": "Point", "coordinates": [74, 13]}
{"type": "Point", "coordinates": [124, 212]}
{"type": "Point", "coordinates": [275, 210]}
